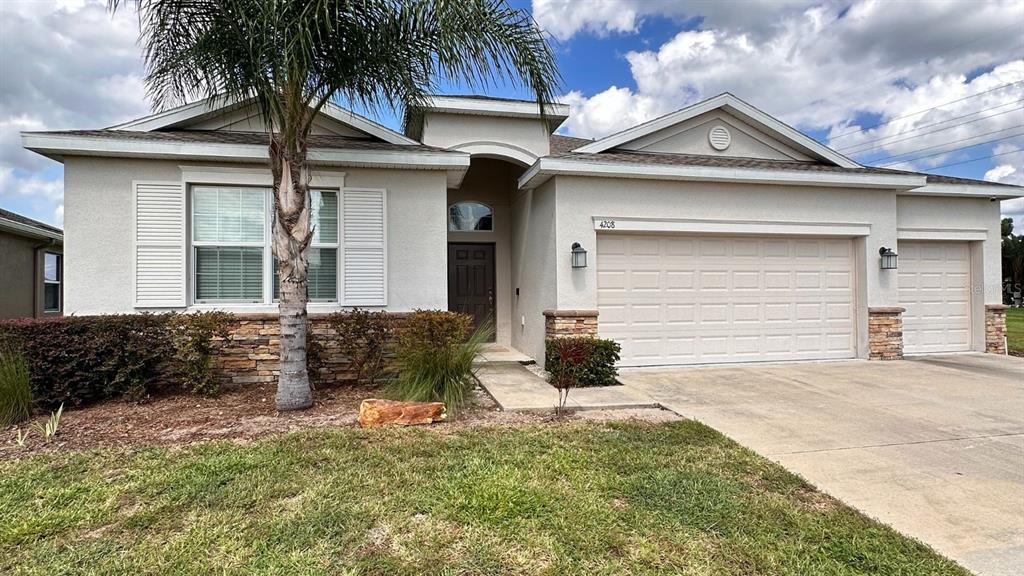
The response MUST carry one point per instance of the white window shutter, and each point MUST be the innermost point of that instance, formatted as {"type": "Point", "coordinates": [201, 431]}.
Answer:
{"type": "Point", "coordinates": [364, 247]}
{"type": "Point", "coordinates": [159, 234]}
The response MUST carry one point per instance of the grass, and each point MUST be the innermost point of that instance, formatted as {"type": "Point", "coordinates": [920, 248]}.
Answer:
{"type": "Point", "coordinates": [1015, 330]}
{"type": "Point", "coordinates": [15, 391]}
{"type": "Point", "coordinates": [441, 372]}
{"type": "Point", "coordinates": [567, 498]}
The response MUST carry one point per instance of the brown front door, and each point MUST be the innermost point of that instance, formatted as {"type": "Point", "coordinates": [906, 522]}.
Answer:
{"type": "Point", "coordinates": [471, 280]}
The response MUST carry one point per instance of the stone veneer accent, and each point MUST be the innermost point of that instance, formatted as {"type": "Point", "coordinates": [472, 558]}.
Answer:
{"type": "Point", "coordinates": [250, 353]}
{"type": "Point", "coordinates": [561, 323]}
{"type": "Point", "coordinates": [995, 328]}
{"type": "Point", "coordinates": [885, 333]}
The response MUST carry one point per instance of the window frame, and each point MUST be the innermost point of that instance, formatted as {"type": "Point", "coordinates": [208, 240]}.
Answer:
{"type": "Point", "coordinates": [58, 282]}
{"type": "Point", "coordinates": [194, 244]}
{"type": "Point", "coordinates": [266, 246]}
{"type": "Point", "coordinates": [468, 201]}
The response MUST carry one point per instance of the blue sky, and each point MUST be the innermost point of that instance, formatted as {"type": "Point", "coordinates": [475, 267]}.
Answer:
{"type": "Point", "coordinates": [943, 82]}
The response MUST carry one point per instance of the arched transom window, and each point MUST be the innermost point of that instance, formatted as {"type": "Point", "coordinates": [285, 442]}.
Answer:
{"type": "Point", "coordinates": [470, 217]}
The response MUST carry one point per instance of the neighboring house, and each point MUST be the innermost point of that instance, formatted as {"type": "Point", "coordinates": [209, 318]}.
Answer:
{"type": "Point", "coordinates": [713, 234]}
{"type": "Point", "coordinates": [31, 267]}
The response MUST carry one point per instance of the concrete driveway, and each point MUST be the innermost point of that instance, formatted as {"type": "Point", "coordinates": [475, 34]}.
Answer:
{"type": "Point", "coordinates": [933, 446]}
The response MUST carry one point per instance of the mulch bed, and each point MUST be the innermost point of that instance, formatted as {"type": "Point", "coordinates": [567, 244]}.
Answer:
{"type": "Point", "coordinates": [239, 415]}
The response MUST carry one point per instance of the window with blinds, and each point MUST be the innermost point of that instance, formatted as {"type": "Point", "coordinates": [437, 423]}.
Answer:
{"type": "Point", "coordinates": [229, 239]}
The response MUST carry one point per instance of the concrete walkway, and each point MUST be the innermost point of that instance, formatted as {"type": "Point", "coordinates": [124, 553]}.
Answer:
{"type": "Point", "coordinates": [933, 446]}
{"type": "Point", "coordinates": [517, 389]}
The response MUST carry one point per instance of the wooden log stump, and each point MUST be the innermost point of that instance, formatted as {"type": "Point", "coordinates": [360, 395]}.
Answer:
{"type": "Point", "coordinates": [374, 413]}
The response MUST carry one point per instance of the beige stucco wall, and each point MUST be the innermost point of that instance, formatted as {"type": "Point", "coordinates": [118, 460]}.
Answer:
{"type": "Point", "coordinates": [493, 182]}
{"type": "Point", "coordinates": [521, 138]}
{"type": "Point", "coordinates": [97, 216]}
{"type": "Point", "coordinates": [938, 215]}
{"type": "Point", "coordinates": [534, 262]}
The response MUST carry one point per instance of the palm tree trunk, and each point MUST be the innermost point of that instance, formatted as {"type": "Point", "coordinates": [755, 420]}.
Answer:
{"type": "Point", "coordinates": [291, 236]}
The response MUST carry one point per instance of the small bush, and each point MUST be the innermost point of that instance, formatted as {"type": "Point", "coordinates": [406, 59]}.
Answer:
{"type": "Point", "coordinates": [15, 390]}
{"type": "Point", "coordinates": [582, 361]}
{"type": "Point", "coordinates": [434, 353]}
{"type": "Point", "coordinates": [79, 360]}
{"type": "Point", "coordinates": [364, 338]}
{"type": "Point", "coordinates": [192, 337]}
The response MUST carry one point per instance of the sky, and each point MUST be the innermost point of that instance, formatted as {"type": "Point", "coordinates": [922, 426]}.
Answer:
{"type": "Point", "coordinates": [935, 86]}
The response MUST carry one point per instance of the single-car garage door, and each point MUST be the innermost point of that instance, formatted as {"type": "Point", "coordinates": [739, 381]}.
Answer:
{"type": "Point", "coordinates": [671, 299]}
{"type": "Point", "coordinates": [935, 289]}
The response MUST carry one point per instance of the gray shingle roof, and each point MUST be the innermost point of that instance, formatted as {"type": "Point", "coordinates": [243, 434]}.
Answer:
{"type": "Point", "coordinates": [15, 217]}
{"type": "Point", "coordinates": [562, 146]}
{"type": "Point", "coordinates": [226, 137]}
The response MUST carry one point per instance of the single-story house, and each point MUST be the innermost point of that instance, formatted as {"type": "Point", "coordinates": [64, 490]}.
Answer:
{"type": "Point", "coordinates": [713, 234]}
{"type": "Point", "coordinates": [31, 267]}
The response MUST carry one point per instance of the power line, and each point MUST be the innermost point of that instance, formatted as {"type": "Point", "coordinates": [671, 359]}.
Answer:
{"type": "Point", "coordinates": [976, 159]}
{"type": "Point", "coordinates": [915, 129]}
{"type": "Point", "coordinates": [891, 120]}
{"type": "Point", "coordinates": [891, 156]}
{"type": "Point", "coordinates": [879, 142]}
{"type": "Point", "coordinates": [949, 151]}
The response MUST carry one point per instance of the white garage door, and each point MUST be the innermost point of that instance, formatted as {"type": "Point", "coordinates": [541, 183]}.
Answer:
{"type": "Point", "coordinates": [705, 299]}
{"type": "Point", "coordinates": [935, 288]}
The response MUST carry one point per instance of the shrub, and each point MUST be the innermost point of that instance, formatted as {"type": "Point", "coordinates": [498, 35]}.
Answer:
{"type": "Point", "coordinates": [78, 360]}
{"type": "Point", "coordinates": [15, 391]}
{"type": "Point", "coordinates": [192, 337]}
{"type": "Point", "coordinates": [434, 352]}
{"type": "Point", "coordinates": [364, 338]}
{"type": "Point", "coordinates": [582, 361]}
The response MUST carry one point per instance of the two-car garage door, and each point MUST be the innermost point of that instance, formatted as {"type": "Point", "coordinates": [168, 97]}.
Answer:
{"type": "Point", "coordinates": [671, 299]}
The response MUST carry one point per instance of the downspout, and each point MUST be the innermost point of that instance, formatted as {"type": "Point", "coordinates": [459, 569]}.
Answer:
{"type": "Point", "coordinates": [36, 285]}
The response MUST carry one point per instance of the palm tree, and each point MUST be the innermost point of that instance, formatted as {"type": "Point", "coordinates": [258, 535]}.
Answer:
{"type": "Point", "coordinates": [292, 57]}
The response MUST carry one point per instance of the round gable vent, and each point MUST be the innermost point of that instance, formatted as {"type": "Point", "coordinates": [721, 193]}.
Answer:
{"type": "Point", "coordinates": [719, 138]}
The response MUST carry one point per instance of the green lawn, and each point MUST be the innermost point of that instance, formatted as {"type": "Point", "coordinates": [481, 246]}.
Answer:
{"type": "Point", "coordinates": [1015, 330]}
{"type": "Point", "coordinates": [568, 498]}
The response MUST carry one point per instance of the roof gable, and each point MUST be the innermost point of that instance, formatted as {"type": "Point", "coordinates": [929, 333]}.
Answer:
{"type": "Point", "coordinates": [760, 135]}
{"type": "Point", "coordinates": [227, 115]}
{"type": "Point", "coordinates": [692, 136]}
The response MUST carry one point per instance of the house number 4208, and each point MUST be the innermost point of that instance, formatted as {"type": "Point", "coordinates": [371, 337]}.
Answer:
{"type": "Point", "coordinates": [607, 224]}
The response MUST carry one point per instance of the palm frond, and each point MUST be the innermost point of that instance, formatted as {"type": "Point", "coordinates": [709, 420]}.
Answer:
{"type": "Point", "coordinates": [291, 57]}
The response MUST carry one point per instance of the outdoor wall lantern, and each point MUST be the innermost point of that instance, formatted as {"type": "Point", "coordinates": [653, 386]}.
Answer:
{"type": "Point", "coordinates": [579, 256]}
{"type": "Point", "coordinates": [888, 258]}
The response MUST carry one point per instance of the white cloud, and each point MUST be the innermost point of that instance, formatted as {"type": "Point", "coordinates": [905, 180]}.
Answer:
{"type": "Point", "coordinates": [819, 67]}
{"type": "Point", "coordinates": [1011, 165]}
{"type": "Point", "coordinates": [66, 64]}
{"type": "Point", "coordinates": [608, 112]}
{"type": "Point", "coordinates": [31, 186]}
{"type": "Point", "coordinates": [565, 18]}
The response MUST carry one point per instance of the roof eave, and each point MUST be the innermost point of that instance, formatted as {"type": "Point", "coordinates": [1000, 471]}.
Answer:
{"type": "Point", "coordinates": [544, 168]}
{"type": "Point", "coordinates": [979, 190]}
{"type": "Point", "coordinates": [29, 230]}
{"type": "Point", "coordinates": [555, 112]}
{"type": "Point", "coordinates": [58, 146]}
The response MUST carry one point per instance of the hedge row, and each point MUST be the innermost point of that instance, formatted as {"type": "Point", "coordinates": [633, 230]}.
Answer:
{"type": "Point", "coordinates": [79, 360]}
